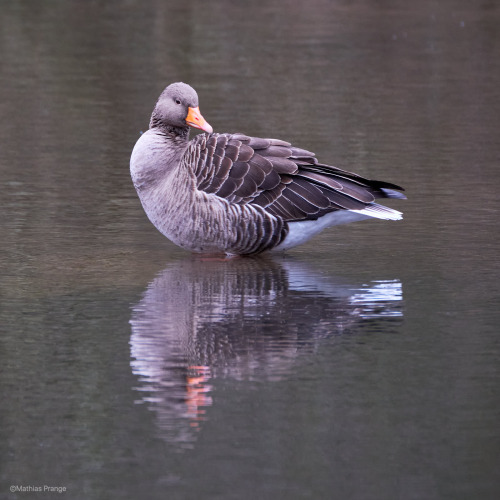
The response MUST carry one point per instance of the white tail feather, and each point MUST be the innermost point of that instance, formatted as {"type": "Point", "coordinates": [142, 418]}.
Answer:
{"type": "Point", "coordinates": [380, 212]}
{"type": "Point", "coordinates": [301, 231]}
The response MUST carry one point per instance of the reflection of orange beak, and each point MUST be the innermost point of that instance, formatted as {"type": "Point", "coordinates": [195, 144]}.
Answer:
{"type": "Point", "coordinates": [197, 393]}
{"type": "Point", "coordinates": [194, 119]}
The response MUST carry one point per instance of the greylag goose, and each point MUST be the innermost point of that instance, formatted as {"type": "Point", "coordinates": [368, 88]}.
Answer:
{"type": "Point", "coordinates": [240, 195]}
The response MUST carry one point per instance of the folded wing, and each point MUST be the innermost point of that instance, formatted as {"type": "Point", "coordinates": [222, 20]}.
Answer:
{"type": "Point", "coordinates": [288, 182]}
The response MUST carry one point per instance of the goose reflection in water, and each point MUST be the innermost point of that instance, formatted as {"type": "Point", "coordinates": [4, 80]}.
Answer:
{"type": "Point", "coordinates": [248, 319]}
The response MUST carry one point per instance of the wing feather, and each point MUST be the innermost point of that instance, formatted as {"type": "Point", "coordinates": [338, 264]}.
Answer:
{"type": "Point", "coordinates": [288, 182]}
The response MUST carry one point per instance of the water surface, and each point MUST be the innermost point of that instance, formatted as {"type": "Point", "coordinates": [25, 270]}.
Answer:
{"type": "Point", "coordinates": [363, 364]}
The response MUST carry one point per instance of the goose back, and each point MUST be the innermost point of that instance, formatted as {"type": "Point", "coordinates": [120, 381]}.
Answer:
{"type": "Point", "coordinates": [288, 182]}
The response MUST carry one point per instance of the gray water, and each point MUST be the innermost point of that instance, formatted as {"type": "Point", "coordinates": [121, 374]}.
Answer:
{"type": "Point", "coordinates": [362, 365]}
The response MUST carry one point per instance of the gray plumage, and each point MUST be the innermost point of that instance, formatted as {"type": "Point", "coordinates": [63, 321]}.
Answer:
{"type": "Point", "coordinates": [237, 194]}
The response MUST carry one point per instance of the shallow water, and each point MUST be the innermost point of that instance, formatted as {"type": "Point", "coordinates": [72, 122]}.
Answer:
{"type": "Point", "coordinates": [363, 364]}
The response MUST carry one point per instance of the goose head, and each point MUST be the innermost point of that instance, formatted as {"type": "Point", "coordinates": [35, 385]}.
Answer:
{"type": "Point", "coordinates": [178, 107]}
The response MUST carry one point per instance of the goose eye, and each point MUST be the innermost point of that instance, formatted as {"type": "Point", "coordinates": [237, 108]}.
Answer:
{"type": "Point", "coordinates": [177, 101]}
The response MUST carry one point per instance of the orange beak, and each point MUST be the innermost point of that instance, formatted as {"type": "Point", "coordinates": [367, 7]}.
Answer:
{"type": "Point", "coordinates": [194, 119]}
